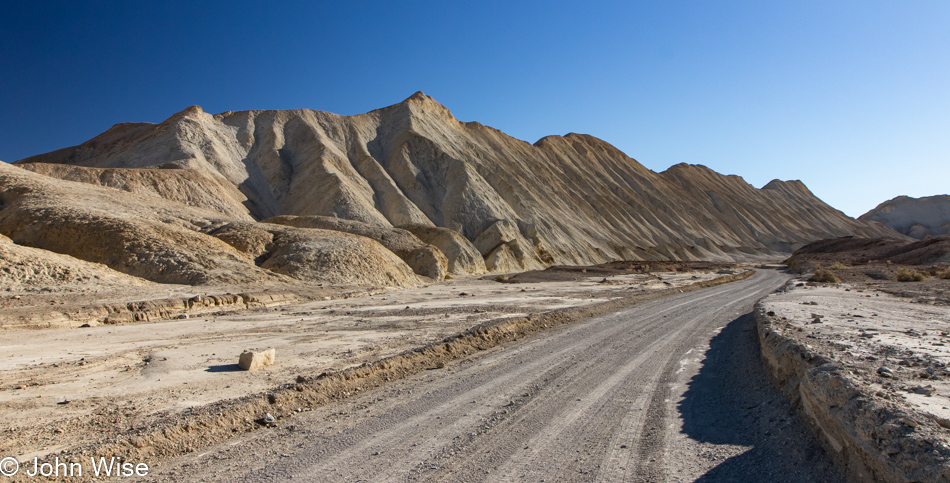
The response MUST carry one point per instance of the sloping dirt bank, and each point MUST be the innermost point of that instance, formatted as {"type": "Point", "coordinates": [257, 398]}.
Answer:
{"type": "Point", "coordinates": [56, 310]}
{"type": "Point", "coordinates": [866, 371]}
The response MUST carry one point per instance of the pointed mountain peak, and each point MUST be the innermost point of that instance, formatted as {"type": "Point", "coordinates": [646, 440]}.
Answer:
{"type": "Point", "coordinates": [190, 111]}
{"type": "Point", "coordinates": [793, 186]}
{"type": "Point", "coordinates": [777, 184]}
{"type": "Point", "coordinates": [419, 96]}
{"type": "Point", "coordinates": [420, 105]}
{"type": "Point", "coordinates": [422, 99]}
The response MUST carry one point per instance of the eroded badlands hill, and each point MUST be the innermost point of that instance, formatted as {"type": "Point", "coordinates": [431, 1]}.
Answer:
{"type": "Point", "coordinates": [915, 217]}
{"type": "Point", "coordinates": [461, 189]}
{"type": "Point", "coordinates": [159, 240]}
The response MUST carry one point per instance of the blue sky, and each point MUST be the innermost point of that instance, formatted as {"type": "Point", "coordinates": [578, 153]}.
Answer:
{"type": "Point", "coordinates": [851, 97]}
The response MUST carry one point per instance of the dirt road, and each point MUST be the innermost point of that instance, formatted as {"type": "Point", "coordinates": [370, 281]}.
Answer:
{"type": "Point", "coordinates": [667, 390]}
{"type": "Point", "coordinates": [143, 374]}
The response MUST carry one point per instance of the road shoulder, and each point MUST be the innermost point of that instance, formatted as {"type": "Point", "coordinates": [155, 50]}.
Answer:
{"type": "Point", "coordinates": [862, 370]}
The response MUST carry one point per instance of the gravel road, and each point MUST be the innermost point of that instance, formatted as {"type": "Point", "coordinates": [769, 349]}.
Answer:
{"type": "Point", "coordinates": [666, 390]}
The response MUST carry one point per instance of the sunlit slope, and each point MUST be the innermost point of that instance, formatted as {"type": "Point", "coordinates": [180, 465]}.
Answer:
{"type": "Point", "coordinates": [570, 199]}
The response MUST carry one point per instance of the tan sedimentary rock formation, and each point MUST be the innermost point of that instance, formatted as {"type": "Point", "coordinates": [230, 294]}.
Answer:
{"type": "Point", "coordinates": [462, 256]}
{"type": "Point", "coordinates": [570, 199]}
{"type": "Point", "coordinates": [189, 187]}
{"type": "Point", "coordinates": [25, 268]}
{"type": "Point", "coordinates": [165, 241]}
{"type": "Point", "coordinates": [316, 255]}
{"type": "Point", "coordinates": [914, 217]}
{"type": "Point", "coordinates": [149, 238]}
{"type": "Point", "coordinates": [506, 250]}
{"type": "Point", "coordinates": [424, 259]}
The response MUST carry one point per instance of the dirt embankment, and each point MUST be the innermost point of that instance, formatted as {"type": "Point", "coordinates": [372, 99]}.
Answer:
{"type": "Point", "coordinates": [918, 270]}
{"type": "Point", "coordinates": [866, 371]}
{"type": "Point", "coordinates": [565, 273]}
{"type": "Point", "coordinates": [57, 312]}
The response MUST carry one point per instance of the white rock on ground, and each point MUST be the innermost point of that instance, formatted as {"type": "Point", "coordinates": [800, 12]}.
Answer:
{"type": "Point", "coordinates": [250, 361]}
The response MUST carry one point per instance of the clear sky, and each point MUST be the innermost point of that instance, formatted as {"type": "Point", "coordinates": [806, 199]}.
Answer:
{"type": "Point", "coordinates": [851, 97]}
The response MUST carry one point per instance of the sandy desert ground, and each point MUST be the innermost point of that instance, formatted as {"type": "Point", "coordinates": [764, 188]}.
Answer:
{"type": "Point", "coordinates": [73, 387]}
{"type": "Point", "coordinates": [668, 389]}
{"type": "Point", "coordinates": [866, 330]}
{"type": "Point", "coordinates": [66, 387]}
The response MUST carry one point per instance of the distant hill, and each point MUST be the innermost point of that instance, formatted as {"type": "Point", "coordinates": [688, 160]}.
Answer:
{"type": "Point", "coordinates": [914, 217]}
{"type": "Point", "coordinates": [861, 251]}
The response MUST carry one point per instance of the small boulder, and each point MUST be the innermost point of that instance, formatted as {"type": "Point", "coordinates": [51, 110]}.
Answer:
{"type": "Point", "coordinates": [250, 361]}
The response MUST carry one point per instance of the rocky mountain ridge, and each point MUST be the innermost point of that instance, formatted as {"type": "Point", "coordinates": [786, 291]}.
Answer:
{"type": "Point", "coordinates": [412, 172]}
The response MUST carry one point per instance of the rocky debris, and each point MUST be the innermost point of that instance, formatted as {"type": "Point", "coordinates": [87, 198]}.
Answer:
{"type": "Point", "coordinates": [573, 199]}
{"type": "Point", "coordinates": [250, 361]}
{"type": "Point", "coordinates": [909, 422]}
{"type": "Point", "coordinates": [924, 390]}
